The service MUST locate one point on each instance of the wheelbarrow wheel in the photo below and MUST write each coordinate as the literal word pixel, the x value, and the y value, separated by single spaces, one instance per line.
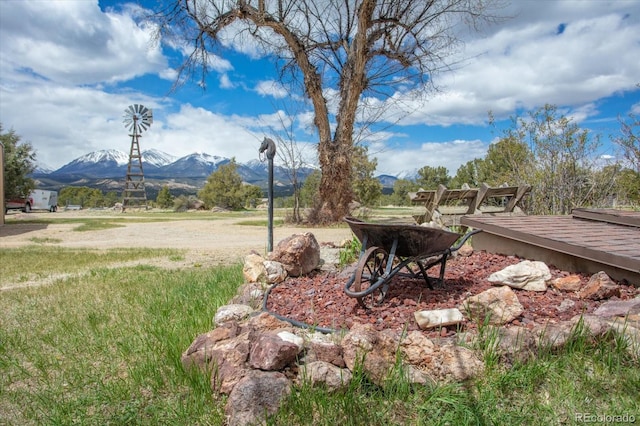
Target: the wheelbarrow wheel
pixel 369 277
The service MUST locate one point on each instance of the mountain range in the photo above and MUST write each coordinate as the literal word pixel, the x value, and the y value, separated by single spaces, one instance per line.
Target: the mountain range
pixel 107 169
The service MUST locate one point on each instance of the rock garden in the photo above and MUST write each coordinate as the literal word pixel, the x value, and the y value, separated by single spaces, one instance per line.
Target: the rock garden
pixel 291 323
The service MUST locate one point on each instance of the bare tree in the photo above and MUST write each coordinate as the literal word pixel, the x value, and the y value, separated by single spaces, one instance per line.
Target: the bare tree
pixel 357 49
pixel 290 156
pixel 565 156
pixel 629 141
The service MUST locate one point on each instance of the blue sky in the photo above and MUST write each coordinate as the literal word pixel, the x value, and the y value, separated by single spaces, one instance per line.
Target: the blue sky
pixel 69 68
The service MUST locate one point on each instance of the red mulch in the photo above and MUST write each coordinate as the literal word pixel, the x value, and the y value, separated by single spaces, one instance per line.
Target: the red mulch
pixel 320 300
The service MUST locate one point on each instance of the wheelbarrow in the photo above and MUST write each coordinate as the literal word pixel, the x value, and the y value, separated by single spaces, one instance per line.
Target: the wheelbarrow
pixel 392 249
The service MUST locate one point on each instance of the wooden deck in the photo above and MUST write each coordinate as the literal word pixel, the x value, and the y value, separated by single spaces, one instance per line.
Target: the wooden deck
pixel 589 240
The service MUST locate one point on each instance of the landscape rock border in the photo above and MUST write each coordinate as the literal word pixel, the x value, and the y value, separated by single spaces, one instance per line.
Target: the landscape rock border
pixel 251 350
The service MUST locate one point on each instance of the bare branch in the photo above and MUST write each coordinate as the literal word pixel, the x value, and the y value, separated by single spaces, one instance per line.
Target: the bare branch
pixel 357 48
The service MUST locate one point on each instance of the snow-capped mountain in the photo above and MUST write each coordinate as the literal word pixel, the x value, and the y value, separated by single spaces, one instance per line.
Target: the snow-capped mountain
pixel 104 163
pixel 408 174
pixel 198 164
pixel 105 155
pixel 280 174
pixel 107 168
pixel 43 168
pixel 110 163
pixel 256 165
pixel 157 158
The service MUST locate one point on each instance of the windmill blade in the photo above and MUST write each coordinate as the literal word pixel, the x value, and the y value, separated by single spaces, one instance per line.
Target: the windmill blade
pixel 137 118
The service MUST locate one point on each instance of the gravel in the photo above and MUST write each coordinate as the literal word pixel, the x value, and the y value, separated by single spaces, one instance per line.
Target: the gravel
pixel 320 299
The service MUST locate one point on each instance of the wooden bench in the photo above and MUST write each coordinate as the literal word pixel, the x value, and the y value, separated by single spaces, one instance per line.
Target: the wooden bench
pixel 486 199
pixel 509 196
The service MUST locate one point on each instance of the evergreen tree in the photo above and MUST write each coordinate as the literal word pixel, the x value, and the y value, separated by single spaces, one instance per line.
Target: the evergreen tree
pixel 224 188
pixel 366 188
pixel 401 189
pixel 310 188
pixel 430 177
pixel 164 200
pixel 19 163
pixel 251 195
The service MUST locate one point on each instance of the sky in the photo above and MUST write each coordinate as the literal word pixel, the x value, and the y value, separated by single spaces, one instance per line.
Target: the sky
pixel 70 68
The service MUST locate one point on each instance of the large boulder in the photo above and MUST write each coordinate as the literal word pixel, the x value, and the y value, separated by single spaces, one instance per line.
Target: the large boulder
pixel 199 353
pixel 599 287
pixel 234 312
pixel 376 351
pixel 324 350
pixel 270 352
pixel 526 275
pixel 497 306
pixel 257 269
pixel 440 362
pixel 257 395
pixel 299 253
pixel 322 373
pixel 254 269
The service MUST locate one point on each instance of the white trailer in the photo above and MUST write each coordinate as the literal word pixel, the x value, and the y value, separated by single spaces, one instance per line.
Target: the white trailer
pixel 44 200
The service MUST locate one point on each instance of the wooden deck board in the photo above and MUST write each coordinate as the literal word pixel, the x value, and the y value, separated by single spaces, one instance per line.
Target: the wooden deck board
pixel 606 237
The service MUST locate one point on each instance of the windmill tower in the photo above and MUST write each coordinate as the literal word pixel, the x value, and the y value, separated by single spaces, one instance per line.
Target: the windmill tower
pixel 137 118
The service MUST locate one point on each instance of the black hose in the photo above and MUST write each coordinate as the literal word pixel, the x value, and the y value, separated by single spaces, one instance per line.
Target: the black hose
pixel 291 321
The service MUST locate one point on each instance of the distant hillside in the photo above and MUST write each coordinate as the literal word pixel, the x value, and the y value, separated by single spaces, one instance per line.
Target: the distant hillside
pixel 106 170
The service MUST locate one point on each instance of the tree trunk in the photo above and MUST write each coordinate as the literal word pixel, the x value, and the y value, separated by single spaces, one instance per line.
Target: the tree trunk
pixel 335 184
pixel 335 158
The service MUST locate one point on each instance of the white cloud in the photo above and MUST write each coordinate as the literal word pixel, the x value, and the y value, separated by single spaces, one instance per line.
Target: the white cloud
pixel 169 74
pixel 582 113
pixel 75 42
pixel 198 130
pixel 529 64
pixel 225 82
pixel 241 41
pixel 63 123
pixel 450 154
pixel 272 88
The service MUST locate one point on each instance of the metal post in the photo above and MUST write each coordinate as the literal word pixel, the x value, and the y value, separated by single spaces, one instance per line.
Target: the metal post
pixel 269 146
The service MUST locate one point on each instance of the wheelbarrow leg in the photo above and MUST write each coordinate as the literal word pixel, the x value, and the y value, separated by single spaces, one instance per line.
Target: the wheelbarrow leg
pixel 424 274
pixel 443 263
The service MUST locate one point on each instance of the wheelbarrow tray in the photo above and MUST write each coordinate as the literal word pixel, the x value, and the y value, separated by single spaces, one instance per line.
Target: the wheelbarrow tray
pixel 412 241
pixel 389 248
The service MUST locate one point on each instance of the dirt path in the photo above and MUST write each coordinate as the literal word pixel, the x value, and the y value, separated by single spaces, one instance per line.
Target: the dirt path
pixel 206 242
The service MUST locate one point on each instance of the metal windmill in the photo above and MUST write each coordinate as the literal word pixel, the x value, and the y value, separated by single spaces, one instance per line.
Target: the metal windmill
pixel 137 118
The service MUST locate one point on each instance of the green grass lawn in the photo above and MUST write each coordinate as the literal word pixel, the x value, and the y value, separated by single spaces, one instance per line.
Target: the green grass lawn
pixel 103 348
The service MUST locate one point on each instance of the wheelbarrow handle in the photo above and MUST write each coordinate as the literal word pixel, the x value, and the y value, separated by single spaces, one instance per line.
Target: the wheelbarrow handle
pixel 464 239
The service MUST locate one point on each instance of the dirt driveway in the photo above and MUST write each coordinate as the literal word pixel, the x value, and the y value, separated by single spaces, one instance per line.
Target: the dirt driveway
pixel 206 241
